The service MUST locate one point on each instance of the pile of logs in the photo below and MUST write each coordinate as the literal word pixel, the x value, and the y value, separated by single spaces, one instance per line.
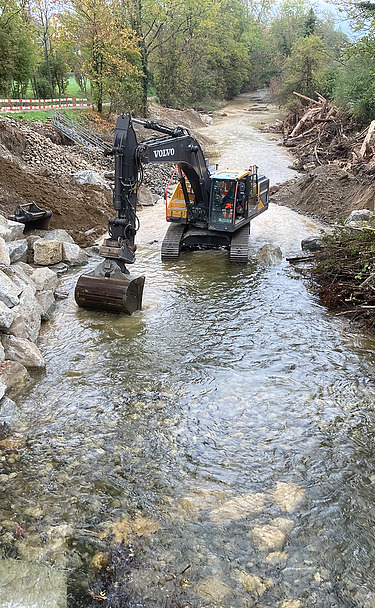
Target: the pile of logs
pixel 321 133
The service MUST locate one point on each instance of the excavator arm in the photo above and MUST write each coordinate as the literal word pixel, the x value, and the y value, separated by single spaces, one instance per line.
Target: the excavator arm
pixel 111 286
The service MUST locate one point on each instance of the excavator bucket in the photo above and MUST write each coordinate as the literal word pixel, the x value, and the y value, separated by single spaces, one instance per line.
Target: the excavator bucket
pixel 32 216
pixel 116 292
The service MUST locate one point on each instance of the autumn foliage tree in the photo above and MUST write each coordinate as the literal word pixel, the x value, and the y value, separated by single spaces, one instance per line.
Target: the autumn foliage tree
pixel 110 53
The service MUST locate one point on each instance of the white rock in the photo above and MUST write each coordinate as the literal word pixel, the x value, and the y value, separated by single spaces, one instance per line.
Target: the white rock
pixel 4 252
pixel 59 235
pixel 145 197
pixel 2 354
pixel 268 537
pixel 239 507
pixel 5 233
pixel 73 254
pixel 18 276
pixel 17 250
pixel 8 411
pixel 288 496
pixel 15 377
pixel 47 252
pixel 269 254
pixel 24 351
pixel 90 177
pixel 27 316
pixel 9 292
pixel 3 221
pixel 252 583
pixel 16 230
pixel 47 304
pixel 359 215
pixel 6 316
pixel 2 389
pixel 45 279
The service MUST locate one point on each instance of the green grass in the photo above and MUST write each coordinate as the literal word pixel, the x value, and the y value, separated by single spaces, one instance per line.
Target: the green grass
pixel 44 115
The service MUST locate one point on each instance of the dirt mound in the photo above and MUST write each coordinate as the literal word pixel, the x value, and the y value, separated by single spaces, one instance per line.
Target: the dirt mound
pixel 329 193
pixel 76 208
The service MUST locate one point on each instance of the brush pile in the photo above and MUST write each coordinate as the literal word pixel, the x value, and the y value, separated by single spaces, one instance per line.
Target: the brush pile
pixel 320 133
pixel 345 272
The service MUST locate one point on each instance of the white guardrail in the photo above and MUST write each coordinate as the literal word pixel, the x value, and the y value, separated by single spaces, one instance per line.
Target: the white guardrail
pixel 22 108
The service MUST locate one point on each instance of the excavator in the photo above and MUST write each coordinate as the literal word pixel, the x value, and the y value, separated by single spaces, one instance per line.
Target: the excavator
pixel 207 209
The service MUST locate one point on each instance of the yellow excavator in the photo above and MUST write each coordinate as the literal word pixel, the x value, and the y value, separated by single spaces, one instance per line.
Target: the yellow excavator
pixel 208 209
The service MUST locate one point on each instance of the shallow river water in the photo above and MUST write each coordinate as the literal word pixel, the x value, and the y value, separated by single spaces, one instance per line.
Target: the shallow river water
pixel 226 431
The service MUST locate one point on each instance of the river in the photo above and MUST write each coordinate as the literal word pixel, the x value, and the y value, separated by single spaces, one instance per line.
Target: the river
pixel 225 433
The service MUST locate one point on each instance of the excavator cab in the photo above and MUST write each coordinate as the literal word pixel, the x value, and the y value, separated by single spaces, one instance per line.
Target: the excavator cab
pixel 236 198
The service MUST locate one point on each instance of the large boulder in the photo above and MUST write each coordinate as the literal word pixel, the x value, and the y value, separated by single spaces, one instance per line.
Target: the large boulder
pixel 4 252
pixel 17 274
pixel 27 316
pixel 59 235
pixel 9 412
pixel 312 243
pixel 44 279
pixel 17 250
pixel 73 254
pixel 5 233
pixel 9 292
pixel 2 354
pixel 90 177
pixel 6 316
pixel 47 304
pixel 47 252
pixel 146 198
pixel 31 239
pixel 359 215
pixel 269 255
pixel 15 377
pixel 24 351
pixel 16 230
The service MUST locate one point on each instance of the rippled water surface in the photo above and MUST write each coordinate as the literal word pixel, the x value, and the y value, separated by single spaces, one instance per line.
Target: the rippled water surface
pixel 226 432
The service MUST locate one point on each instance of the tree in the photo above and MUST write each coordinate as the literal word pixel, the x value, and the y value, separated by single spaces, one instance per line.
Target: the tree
pixel 109 48
pixel 17 48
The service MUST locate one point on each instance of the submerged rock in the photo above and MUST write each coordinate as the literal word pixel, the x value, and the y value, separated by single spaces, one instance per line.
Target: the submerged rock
pixel 254 584
pixel 213 589
pixel 313 243
pixel 28 584
pixel 238 507
pixel 268 537
pixel 288 496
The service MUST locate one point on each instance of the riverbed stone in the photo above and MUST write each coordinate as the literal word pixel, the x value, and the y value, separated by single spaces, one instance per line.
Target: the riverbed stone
pixel 268 537
pixel 269 255
pixel 24 351
pixel 47 303
pixel 146 198
pixel 238 507
pixel 2 354
pixel 4 252
pixel 9 292
pixel 73 254
pixel 59 235
pixel 27 316
pixel 2 389
pixel 15 377
pixel 291 604
pixel 288 496
pixel 213 589
pixel 6 316
pixel 359 215
pixel 45 279
pixel 284 524
pixel 31 239
pixel 17 275
pixel 29 584
pixel 47 252
pixel 276 557
pixel 252 583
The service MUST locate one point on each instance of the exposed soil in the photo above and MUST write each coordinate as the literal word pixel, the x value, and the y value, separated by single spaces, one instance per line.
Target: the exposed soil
pixel 36 165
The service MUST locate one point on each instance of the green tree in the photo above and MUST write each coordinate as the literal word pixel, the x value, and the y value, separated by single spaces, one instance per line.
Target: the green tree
pixel 18 51
pixel 109 50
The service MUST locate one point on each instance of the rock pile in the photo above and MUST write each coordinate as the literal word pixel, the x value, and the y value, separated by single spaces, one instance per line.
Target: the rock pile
pixel 29 270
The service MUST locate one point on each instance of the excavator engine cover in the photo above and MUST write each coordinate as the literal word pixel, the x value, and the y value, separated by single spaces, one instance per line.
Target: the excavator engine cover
pixel 117 292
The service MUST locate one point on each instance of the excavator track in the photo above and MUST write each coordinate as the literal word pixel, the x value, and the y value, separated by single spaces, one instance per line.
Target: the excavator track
pixel 170 248
pixel 239 246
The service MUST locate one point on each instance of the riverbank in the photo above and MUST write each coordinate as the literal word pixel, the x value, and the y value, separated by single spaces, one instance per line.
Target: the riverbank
pixel 339 167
